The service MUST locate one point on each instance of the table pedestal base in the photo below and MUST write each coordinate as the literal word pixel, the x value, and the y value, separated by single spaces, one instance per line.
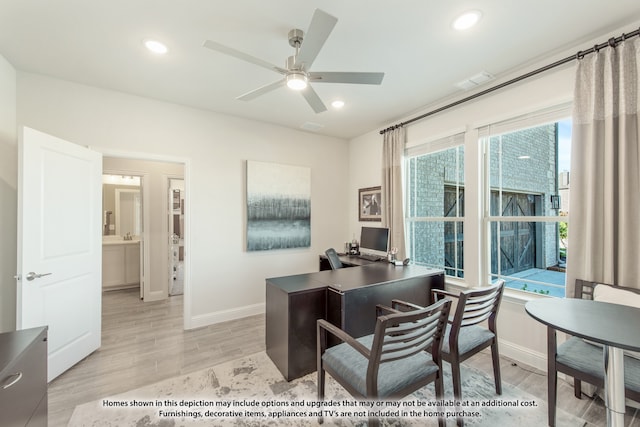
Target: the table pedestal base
pixel 614 386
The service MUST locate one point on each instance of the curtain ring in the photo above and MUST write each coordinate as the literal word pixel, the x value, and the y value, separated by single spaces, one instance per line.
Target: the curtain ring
pixel 595 48
pixel 579 55
pixel 612 42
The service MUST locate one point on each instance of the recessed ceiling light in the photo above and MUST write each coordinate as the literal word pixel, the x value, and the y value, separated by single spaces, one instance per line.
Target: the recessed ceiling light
pixel 467 20
pixel 337 104
pixel 156 46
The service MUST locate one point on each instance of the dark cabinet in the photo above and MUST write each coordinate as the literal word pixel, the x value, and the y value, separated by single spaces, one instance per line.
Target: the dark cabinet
pixel 23 379
pixel 293 305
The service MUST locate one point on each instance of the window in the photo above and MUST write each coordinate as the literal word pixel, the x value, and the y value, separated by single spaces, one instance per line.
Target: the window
pixel 435 205
pixel 516 212
pixel 526 195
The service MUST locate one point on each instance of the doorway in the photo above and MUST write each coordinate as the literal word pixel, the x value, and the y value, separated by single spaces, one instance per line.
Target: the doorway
pixel 122 237
pixel 176 236
pixel 155 243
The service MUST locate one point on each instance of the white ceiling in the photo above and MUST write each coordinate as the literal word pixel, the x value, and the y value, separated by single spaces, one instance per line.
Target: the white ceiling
pixel 99 43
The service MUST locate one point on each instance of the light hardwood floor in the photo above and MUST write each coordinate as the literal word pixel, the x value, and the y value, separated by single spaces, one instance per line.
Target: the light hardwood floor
pixel 143 343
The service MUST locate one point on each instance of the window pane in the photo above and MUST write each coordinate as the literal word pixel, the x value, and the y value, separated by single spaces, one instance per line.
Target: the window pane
pixel 529 176
pixel 524 161
pixel 427 178
pixel 521 259
pixel 435 189
pixel 437 244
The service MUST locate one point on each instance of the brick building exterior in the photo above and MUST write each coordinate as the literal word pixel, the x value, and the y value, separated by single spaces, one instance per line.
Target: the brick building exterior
pixel 524 165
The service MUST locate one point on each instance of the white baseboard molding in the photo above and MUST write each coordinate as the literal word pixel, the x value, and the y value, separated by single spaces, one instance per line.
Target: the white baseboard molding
pixel 155 295
pixel 523 355
pixel 226 315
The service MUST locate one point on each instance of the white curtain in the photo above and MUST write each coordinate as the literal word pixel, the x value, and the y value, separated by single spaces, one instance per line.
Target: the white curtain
pixel 604 228
pixel 392 194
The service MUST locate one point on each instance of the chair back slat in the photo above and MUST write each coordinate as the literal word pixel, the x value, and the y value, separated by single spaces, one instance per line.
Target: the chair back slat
pixel 477 319
pixel 404 334
pixel 476 313
pixel 477 306
pixel 398 346
pixel 411 331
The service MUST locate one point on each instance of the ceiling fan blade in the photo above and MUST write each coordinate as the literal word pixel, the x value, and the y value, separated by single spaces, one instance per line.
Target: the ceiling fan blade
pixel 261 90
pixel 314 100
pixel 346 77
pixel 241 55
pixel 321 26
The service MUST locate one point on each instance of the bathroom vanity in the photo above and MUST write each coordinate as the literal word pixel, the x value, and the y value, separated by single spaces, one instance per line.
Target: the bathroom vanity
pixel 120 263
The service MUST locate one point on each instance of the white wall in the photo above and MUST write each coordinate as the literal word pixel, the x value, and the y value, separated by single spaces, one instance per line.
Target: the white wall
pixel 365 169
pixel 8 195
pixel 521 337
pixel 226 281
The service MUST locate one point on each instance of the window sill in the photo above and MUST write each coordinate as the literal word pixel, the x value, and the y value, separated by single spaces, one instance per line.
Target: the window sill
pixel 511 295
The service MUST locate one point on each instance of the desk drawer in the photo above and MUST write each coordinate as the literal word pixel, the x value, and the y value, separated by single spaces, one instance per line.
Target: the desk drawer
pixel 23 387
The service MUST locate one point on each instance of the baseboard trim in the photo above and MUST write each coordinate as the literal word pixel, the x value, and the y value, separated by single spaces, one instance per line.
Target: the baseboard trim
pixel 523 354
pixel 226 315
pixel 155 296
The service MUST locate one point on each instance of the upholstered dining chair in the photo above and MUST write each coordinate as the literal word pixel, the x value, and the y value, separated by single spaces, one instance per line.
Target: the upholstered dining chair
pixel 464 336
pixel 582 359
pixel 334 259
pixel 390 363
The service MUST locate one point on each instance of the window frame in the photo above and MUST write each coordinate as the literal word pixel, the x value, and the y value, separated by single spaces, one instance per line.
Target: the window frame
pixel 477 233
pixel 534 119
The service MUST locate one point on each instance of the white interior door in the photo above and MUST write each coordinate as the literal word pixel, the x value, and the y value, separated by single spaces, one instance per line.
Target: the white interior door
pixel 59 246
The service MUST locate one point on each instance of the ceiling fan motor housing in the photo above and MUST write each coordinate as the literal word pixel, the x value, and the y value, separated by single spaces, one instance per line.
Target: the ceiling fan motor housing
pixel 295 37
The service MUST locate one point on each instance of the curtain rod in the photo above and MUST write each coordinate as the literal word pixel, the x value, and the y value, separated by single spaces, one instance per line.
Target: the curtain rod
pixel 613 41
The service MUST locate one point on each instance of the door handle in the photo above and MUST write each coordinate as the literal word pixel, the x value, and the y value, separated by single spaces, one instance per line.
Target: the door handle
pixel 32 275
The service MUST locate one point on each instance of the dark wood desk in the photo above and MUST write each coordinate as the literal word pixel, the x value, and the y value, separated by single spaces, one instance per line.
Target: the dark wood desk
pixel 612 325
pixel 346 297
pixel 347 261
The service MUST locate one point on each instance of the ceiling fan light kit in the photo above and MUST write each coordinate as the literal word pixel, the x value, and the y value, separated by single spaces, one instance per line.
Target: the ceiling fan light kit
pixel 296 80
pixel 297 74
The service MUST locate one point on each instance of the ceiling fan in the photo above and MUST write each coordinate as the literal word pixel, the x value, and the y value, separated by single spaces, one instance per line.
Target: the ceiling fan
pixel 297 74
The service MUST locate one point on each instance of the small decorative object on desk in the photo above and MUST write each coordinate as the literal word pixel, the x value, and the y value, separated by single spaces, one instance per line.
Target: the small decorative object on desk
pixel 399 263
pixel 391 256
pixel 355 248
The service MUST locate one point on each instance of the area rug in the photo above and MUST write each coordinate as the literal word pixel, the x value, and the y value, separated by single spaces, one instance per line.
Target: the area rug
pixel 251 392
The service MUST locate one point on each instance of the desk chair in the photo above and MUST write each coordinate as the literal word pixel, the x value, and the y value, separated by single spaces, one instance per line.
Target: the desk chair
pixel 464 337
pixel 334 259
pixel 392 362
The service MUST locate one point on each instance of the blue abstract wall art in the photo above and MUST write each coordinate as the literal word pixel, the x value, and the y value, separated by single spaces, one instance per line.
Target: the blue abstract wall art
pixel 278 206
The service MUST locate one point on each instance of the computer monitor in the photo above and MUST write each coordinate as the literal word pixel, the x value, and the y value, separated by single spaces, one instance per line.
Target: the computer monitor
pixel 374 241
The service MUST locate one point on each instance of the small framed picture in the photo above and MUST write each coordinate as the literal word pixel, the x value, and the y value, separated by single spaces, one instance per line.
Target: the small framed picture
pixel 369 205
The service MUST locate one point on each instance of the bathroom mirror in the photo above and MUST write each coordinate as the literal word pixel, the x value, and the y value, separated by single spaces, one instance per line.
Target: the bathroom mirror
pixel 121 205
